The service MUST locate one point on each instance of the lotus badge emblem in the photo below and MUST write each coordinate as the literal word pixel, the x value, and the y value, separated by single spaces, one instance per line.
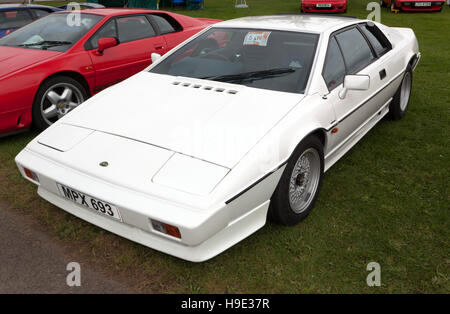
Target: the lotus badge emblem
pixel 104 164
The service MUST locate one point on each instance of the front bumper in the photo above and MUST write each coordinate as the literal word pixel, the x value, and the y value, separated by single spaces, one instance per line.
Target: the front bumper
pixel 205 234
pixel 412 8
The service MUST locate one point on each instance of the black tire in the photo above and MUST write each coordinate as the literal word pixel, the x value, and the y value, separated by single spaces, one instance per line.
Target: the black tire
pixel 398 106
pixel 280 209
pixel 41 103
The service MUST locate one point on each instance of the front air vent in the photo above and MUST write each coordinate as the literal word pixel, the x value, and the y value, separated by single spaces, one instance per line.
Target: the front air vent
pixel 205 87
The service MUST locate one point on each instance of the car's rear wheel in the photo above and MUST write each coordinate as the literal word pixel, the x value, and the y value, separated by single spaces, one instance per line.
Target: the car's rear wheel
pixel 300 183
pixel 399 105
pixel 55 98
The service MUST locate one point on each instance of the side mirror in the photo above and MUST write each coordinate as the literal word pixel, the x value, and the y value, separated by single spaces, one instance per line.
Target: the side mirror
pixel 155 57
pixel 354 82
pixel 105 43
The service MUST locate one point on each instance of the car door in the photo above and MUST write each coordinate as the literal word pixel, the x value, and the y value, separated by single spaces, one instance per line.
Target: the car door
pixel 349 53
pixel 137 40
pixel 169 28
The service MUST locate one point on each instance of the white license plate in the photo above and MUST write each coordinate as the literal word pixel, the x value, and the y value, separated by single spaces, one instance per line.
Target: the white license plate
pixel 323 5
pixel 100 207
pixel 423 4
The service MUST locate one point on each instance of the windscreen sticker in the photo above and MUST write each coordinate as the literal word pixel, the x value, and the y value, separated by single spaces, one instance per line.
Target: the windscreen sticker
pixel 256 38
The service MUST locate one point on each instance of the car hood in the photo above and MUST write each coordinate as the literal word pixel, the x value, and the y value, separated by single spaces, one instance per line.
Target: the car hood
pixel 13 59
pixel 212 121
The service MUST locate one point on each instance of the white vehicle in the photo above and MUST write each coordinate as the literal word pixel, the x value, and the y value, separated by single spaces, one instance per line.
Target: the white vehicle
pixel 234 125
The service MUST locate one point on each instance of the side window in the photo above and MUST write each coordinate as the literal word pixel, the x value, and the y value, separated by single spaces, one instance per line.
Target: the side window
pixel 376 38
pixel 133 28
pixel 109 29
pixel 356 50
pixel 334 67
pixel 40 13
pixel 166 24
pixel 15 19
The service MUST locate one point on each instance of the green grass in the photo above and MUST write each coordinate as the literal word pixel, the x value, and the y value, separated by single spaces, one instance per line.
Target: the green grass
pixel 385 201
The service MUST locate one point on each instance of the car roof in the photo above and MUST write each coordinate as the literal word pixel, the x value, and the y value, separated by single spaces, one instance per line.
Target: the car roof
pixel 118 11
pixel 21 6
pixel 290 22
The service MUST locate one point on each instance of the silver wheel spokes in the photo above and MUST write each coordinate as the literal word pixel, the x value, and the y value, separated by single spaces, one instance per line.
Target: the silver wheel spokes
pixel 58 100
pixel 304 180
pixel 405 91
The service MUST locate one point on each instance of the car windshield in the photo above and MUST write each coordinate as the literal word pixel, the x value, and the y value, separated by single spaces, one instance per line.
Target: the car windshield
pixel 267 59
pixel 56 32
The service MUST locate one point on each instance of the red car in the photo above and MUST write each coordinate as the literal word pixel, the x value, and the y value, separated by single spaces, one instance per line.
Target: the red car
pixel 50 66
pixel 414 5
pixel 324 6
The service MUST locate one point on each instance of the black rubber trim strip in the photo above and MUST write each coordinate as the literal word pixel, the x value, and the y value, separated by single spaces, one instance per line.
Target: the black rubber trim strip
pixel 255 183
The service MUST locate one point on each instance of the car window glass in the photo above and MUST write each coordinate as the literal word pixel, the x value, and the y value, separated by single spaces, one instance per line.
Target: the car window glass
pixel 51 32
pixel 134 28
pixel 164 26
pixel 107 30
pixel 40 13
pixel 266 59
pixel 356 51
pixel 14 19
pixel 378 45
pixel 334 68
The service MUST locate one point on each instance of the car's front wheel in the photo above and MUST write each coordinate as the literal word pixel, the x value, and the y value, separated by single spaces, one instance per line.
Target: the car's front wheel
pixel 300 183
pixel 55 98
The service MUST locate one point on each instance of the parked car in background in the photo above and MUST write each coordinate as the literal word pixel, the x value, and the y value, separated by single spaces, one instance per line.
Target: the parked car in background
pixel 49 67
pixel 413 5
pixel 194 154
pixel 85 6
pixel 14 16
pixel 324 6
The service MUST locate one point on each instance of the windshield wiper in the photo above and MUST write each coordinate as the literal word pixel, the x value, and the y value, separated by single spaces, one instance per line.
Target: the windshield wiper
pixel 48 43
pixel 251 76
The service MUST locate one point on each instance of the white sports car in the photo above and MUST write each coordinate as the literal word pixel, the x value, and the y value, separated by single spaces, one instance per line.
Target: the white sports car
pixel 234 125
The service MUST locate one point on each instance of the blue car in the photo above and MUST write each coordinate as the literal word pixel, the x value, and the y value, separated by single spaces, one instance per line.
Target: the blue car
pixel 14 16
pixel 85 5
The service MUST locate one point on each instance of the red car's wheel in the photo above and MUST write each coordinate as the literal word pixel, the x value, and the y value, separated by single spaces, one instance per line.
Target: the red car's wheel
pixel 55 98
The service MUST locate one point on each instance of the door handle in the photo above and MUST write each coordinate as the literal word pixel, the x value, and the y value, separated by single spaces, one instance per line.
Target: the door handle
pixel 382 74
pixel 159 47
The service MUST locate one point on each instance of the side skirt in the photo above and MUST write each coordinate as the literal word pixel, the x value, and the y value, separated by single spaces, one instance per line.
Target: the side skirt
pixel 332 157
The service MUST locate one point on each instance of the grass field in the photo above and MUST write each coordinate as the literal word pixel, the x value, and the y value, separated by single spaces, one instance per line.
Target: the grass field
pixel 386 201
